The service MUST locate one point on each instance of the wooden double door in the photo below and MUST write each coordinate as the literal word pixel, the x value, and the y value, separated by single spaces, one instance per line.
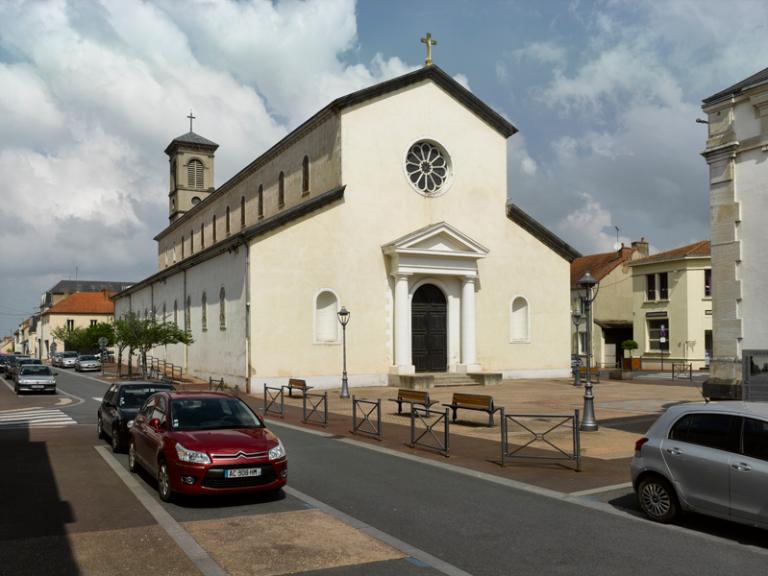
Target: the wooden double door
pixel 429 329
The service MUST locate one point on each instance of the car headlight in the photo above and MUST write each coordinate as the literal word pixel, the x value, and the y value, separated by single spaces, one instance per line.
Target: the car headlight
pixel 129 424
pixel 277 452
pixel 191 456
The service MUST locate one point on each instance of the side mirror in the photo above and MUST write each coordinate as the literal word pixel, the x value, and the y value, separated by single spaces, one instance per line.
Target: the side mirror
pixel 155 424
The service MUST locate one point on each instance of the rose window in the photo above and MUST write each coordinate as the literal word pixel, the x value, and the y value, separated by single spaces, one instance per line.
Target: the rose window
pixel 427 167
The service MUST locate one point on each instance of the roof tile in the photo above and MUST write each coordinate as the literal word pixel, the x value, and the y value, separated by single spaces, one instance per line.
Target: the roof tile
pixel 85 303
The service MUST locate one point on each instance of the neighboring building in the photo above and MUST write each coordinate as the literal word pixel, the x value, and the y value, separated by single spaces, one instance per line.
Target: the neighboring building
pixel 612 307
pixel 391 201
pixel 6 346
pixel 79 310
pixel 66 288
pixel 672 306
pixel 28 335
pixel 737 155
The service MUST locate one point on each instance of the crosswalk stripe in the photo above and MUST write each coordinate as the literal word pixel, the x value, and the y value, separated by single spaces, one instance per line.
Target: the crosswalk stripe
pixel 34 418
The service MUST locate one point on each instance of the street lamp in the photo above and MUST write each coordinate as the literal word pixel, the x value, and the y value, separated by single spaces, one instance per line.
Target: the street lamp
pixel 589 423
pixel 343 315
pixel 576 317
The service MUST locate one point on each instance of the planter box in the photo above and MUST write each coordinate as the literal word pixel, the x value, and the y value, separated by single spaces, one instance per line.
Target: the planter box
pixel 631 364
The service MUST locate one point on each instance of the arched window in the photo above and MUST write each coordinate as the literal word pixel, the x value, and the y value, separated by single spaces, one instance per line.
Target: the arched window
pixel 165 319
pixel 176 312
pixel 213 228
pixel 226 222
pixel 188 315
pixel 519 320
pixel 195 174
pixel 222 309
pixel 261 201
pixel 242 211
pixel 202 235
pixel 191 242
pixel 281 190
pixel 204 313
pixel 182 246
pixel 305 175
pixel 326 324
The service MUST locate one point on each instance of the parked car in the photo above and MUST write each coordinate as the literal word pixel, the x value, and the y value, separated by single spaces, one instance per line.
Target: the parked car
pixel 35 378
pixel 86 362
pixel 18 362
pixel 205 443
pixel 5 360
pixel 710 458
pixel 119 407
pixel 68 359
pixel 56 358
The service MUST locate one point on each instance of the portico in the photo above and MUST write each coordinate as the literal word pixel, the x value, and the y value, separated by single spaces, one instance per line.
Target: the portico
pixel 433 261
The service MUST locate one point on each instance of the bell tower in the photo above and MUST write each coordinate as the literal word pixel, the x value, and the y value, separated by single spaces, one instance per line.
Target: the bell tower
pixel 191 171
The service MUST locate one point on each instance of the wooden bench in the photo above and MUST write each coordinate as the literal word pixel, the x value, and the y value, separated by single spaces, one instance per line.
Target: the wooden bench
pixel 298 385
pixel 420 397
pixel 479 402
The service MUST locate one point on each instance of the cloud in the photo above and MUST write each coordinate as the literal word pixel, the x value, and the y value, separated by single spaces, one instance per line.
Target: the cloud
pixel 543 53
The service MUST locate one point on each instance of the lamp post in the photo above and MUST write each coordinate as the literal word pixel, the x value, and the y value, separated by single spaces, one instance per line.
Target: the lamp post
pixel 576 317
pixel 589 423
pixel 343 315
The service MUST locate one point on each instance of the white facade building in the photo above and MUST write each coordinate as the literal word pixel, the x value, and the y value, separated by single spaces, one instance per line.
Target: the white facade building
pixel 737 155
pixel 391 201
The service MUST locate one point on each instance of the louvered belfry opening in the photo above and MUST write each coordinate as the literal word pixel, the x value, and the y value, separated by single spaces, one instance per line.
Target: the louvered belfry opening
pixel 195 174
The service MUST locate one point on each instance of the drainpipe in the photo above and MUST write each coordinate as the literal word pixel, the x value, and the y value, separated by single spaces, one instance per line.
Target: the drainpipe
pixel 187 317
pixel 247 315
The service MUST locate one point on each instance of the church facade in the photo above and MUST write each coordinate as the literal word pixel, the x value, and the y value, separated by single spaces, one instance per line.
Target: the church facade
pixel 391 202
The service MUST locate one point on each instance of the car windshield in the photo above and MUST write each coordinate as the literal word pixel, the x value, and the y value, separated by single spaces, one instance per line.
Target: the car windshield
pixel 28 361
pixel 36 369
pixel 69 354
pixel 134 396
pixel 83 358
pixel 212 413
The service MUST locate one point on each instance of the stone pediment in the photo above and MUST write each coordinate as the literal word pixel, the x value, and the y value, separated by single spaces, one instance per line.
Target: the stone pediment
pixel 437 249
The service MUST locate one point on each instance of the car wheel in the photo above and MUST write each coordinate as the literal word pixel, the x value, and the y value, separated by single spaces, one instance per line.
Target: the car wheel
pixel 99 429
pixel 117 446
pixel 132 464
pixel 164 483
pixel 657 499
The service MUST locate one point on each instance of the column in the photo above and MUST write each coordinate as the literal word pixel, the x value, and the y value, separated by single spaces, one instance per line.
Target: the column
pixel 468 352
pixel 402 334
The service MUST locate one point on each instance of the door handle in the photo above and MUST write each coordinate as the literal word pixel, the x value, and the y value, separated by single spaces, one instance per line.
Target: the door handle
pixel 674 451
pixel 741 467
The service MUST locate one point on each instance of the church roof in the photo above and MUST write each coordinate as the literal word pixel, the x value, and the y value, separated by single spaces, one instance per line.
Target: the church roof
pixel 739 87
pixel 539 231
pixel 191 139
pixel 72 286
pixel 701 249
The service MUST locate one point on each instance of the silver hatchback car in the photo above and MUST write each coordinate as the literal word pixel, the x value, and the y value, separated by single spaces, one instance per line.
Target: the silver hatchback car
pixel 710 458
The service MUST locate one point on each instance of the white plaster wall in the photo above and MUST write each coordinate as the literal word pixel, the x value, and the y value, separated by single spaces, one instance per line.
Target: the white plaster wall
pixel 340 249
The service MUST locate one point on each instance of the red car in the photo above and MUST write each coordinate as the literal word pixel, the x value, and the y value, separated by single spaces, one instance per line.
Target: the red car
pixel 205 443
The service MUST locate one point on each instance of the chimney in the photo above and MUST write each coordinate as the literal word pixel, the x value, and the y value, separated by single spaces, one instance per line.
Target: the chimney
pixel 641 246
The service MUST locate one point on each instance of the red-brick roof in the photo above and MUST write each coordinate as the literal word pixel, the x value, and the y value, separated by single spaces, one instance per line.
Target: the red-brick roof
pixel 699 249
pixel 599 265
pixel 85 303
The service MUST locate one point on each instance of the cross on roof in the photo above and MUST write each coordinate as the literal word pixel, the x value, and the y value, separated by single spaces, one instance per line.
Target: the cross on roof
pixel 429 42
pixel 191 117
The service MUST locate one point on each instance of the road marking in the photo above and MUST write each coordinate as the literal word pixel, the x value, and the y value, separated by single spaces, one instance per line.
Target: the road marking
pixel 8 384
pixel 602 489
pixel 404 547
pixel 270 422
pixel 34 418
pixel 183 539
pixel 64 401
pixel 97 398
pixel 77 399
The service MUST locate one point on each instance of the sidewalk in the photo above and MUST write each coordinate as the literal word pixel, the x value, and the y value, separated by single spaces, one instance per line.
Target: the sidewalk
pixel 624 410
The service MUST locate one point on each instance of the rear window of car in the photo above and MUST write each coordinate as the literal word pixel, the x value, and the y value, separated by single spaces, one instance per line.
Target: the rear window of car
pixel 82 358
pixel 720 431
pixel 134 396
pixel 69 354
pixel 36 369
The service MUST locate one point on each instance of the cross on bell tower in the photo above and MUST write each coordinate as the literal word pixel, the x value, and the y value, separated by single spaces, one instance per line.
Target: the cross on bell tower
pixel 191 117
pixel 429 42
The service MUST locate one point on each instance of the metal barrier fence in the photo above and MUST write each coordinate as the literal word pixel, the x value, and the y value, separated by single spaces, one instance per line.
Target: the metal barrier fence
pixel 561 421
pixel 364 425
pixel 441 446
pixel 216 385
pixel 682 371
pixel 316 402
pixel 272 396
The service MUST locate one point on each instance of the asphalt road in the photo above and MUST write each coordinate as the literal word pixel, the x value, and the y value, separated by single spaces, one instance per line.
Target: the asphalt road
pixel 479 526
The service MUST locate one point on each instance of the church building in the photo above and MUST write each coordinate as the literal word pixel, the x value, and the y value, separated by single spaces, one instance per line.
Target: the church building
pixel 391 202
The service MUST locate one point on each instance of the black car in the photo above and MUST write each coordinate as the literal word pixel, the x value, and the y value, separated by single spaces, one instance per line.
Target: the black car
pixel 119 407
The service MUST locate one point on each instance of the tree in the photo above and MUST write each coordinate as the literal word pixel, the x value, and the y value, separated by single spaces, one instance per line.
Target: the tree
pixel 73 338
pixel 629 345
pixel 127 329
pixel 142 335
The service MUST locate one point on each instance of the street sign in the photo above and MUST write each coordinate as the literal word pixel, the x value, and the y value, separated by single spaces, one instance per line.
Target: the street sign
pixel 103 341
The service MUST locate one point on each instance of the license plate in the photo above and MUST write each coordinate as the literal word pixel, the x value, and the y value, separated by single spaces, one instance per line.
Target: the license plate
pixel 37 386
pixel 242 472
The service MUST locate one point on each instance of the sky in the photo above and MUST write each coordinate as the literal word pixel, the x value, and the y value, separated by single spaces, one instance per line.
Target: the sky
pixel 605 95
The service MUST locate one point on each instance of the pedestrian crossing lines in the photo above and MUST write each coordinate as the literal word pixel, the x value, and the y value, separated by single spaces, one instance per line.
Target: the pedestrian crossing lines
pixel 34 418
